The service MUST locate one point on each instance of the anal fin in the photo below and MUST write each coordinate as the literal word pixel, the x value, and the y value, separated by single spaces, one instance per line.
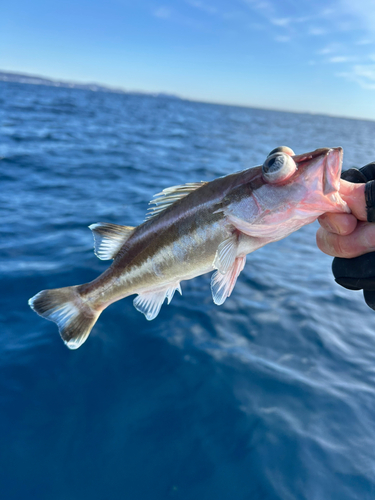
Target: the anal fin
pixel 222 284
pixel 149 303
pixel 109 238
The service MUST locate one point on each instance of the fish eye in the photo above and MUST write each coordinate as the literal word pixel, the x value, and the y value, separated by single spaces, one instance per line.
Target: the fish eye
pixel 282 149
pixel 278 167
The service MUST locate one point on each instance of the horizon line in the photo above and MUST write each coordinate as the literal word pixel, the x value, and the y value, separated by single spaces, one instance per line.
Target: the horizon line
pixel 106 88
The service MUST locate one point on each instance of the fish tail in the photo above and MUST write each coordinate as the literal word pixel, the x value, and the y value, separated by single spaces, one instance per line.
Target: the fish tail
pixel 74 317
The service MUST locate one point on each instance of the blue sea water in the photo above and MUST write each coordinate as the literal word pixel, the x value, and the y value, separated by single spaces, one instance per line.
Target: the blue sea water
pixel 268 397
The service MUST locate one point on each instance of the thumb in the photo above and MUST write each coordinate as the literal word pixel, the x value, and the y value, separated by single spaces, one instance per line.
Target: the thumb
pixel 354 195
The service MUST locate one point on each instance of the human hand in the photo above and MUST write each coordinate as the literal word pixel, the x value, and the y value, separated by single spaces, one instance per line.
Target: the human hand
pixel 350 238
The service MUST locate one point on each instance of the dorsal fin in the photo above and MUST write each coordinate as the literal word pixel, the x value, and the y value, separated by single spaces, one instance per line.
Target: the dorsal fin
pixel 109 238
pixel 169 196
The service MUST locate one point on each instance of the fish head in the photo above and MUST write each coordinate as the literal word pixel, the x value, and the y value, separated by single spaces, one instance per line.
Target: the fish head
pixel 309 181
pixel 288 192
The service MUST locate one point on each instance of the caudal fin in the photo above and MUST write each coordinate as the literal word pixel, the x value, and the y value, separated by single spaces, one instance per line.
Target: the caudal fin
pixel 66 308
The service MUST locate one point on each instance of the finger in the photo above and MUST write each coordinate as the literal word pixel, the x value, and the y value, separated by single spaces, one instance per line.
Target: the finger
pixel 338 223
pixel 359 242
pixel 354 195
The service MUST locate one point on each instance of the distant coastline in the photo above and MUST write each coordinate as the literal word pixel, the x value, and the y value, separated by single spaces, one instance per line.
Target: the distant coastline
pixel 24 78
pixel 8 76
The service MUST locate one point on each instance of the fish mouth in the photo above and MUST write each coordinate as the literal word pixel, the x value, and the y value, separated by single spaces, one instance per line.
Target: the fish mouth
pixel 330 160
pixel 324 165
pixel 312 155
pixel 332 170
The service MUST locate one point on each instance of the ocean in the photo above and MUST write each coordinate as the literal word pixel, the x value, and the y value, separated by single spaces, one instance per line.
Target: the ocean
pixel 270 396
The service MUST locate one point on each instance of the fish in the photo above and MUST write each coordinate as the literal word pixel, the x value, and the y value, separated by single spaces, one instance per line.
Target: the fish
pixel 193 229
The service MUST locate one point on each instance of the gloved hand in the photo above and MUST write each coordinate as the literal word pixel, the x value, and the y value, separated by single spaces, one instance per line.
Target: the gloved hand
pixel 359 273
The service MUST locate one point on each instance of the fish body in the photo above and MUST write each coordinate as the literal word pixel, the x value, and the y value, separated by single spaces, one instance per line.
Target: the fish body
pixel 194 229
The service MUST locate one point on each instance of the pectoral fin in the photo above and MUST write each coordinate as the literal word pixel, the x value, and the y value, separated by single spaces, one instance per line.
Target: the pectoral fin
pixel 222 284
pixel 226 254
pixel 243 226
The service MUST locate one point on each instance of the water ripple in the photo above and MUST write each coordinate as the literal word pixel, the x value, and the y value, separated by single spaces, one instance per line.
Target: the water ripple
pixel 270 396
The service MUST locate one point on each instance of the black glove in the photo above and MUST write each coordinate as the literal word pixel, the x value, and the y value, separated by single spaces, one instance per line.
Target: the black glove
pixel 359 273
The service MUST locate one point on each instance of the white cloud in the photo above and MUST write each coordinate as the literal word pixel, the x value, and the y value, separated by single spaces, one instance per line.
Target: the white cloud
pixel 257 26
pixel 365 71
pixel 328 12
pixel 364 41
pixel 282 39
pixel 281 21
pixel 316 17
pixel 329 49
pixel 162 13
pixel 339 59
pixel 363 10
pixel 234 15
pixel 202 6
pixel 302 19
pixel 363 74
pixel 262 6
pixel 316 31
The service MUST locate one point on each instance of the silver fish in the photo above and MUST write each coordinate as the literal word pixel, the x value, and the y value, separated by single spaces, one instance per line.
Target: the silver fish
pixel 196 228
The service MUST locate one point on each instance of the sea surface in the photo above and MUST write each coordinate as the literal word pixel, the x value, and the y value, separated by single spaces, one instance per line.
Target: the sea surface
pixel 268 397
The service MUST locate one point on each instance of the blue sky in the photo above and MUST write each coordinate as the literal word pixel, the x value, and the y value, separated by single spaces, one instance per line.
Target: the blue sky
pixel 316 56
